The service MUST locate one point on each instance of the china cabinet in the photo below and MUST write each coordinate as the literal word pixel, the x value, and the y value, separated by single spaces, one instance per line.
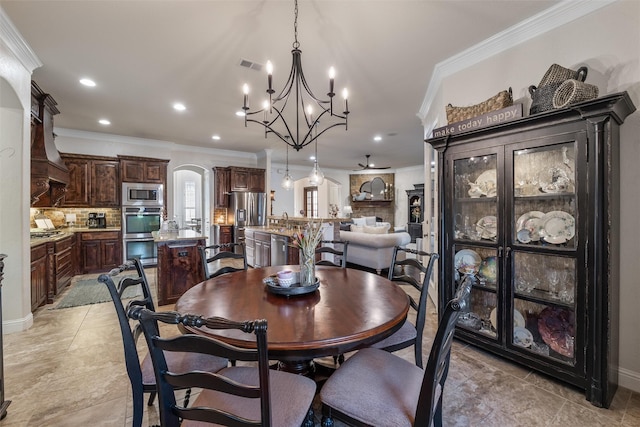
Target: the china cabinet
pixel 531 209
pixel 415 211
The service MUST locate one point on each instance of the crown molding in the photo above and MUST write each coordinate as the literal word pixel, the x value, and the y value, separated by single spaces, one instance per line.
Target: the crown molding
pixel 144 142
pixel 10 35
pixel 547 20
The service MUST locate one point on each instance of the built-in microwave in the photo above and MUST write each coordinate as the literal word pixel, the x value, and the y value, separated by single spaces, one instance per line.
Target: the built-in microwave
pixel 141 194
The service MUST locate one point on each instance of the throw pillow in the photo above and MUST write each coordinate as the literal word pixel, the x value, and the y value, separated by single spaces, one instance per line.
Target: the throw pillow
pixel 375 230
pixel 357 228
pixel 345 226
pixel 359 221
pixel 370 220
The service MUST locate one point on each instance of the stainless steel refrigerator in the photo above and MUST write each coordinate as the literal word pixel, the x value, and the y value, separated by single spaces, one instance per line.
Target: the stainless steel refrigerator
pixel 246 209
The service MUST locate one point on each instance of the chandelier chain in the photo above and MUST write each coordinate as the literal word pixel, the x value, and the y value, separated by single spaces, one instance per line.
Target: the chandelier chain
pixel 296 44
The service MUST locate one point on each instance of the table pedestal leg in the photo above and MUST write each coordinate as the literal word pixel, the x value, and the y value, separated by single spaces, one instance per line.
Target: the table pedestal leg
pixel 300 367
pixel 314 370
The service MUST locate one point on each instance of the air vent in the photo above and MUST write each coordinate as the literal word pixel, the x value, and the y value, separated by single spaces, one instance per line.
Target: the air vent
pixel 250 64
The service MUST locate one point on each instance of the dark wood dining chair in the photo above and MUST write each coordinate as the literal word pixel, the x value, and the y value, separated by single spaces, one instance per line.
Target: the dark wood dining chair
pixel 141 374
pixel 334 250
pixel 224 258
pixel 407 270
pixel 234 396
pixel 378 388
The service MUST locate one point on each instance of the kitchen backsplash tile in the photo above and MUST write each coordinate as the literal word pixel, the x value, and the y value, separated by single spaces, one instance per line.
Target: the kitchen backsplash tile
pixel 58 218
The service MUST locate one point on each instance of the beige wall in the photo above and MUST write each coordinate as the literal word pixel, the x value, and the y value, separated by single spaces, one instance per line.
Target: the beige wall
pixel 608 42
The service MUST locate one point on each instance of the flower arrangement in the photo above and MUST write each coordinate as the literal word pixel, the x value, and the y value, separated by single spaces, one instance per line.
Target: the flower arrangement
pixel 307 240
pixel 333 210
pixel 309 237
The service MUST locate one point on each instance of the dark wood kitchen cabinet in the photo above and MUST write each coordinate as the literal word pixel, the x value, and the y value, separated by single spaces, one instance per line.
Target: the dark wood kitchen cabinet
pixel 94 181
pixel 39 275
pixel 223 186
pixel 179 268
pixel 226 234
pixel 293 254
pixel 105 183
pixel 246 179
pixel 99 251
pixel 63 264
pixel 144 170
pixel 530 209
pixel 235 178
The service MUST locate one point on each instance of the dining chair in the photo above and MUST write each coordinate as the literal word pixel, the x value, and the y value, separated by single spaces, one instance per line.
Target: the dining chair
pixel 404 270
pixel 141 374
pixel 333 250
pixel 224 258
pixel 375 387
pixel 247 395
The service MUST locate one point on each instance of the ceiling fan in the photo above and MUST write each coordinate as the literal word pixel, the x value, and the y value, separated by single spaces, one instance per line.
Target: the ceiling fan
pixel 370 166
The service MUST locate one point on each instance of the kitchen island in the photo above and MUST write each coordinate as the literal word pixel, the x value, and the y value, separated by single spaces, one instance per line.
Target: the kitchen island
pixel 178 263
pixel 273 244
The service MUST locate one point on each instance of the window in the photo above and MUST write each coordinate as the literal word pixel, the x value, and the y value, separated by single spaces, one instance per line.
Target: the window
pixel 189 200
pixel 311 202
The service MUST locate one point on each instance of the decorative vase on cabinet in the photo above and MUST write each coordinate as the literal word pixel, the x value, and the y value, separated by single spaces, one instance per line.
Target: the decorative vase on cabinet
pixel 531 209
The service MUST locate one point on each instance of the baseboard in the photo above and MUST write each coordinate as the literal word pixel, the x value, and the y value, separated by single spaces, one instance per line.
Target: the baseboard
pixel 629 379
pixel 17 325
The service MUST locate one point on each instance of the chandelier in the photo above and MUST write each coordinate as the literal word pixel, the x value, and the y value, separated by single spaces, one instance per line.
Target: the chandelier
pixel 274 109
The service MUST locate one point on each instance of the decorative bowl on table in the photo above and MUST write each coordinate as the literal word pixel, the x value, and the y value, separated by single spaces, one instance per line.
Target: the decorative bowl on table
pixel 285 278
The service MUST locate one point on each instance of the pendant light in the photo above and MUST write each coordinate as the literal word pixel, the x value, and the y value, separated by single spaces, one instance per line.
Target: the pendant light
pixel 316 177
pixel 287 181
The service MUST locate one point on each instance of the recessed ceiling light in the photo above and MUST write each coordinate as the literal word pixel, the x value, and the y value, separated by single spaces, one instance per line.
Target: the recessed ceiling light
pixel 104 122
pixel 240 113
pixel 87 82
pixel 377 138
pixel 216 137
pixel 178 106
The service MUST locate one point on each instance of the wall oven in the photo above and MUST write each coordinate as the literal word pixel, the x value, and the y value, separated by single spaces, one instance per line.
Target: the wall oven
pixel 142 211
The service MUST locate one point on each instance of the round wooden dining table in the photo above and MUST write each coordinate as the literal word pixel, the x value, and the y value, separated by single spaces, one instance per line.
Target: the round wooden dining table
pixel 350 309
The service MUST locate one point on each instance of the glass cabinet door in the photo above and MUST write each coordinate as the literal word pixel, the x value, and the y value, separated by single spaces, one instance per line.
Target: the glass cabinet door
pixel 475 236
pixel 543 242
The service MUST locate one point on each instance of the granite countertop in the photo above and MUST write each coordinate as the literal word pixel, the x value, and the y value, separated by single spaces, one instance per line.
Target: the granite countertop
pixel 177 235
pixel 280 231
pixel 66 232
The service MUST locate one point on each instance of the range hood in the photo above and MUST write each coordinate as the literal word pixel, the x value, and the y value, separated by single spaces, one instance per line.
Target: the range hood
pixel 49 174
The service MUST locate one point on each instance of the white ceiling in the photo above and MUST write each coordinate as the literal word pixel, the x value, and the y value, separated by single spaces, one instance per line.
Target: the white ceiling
pixel 146 55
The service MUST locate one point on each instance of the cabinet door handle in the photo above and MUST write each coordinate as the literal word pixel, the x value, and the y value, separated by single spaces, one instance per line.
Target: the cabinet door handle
pixel 507 252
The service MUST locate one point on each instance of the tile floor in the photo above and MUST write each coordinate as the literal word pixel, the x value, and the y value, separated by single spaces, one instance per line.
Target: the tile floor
pixel 68 370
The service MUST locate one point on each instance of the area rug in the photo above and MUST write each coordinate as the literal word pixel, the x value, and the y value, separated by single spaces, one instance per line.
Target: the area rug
pixel 85 292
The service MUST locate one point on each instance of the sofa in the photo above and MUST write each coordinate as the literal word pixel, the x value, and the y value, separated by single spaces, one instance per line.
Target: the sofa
pixel 371 245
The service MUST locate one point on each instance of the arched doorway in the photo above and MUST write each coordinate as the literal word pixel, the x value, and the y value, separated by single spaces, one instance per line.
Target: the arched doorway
pixel 191 198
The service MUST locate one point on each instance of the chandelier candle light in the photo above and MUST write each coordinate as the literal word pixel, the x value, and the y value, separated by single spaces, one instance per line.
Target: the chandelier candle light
pixel 273 109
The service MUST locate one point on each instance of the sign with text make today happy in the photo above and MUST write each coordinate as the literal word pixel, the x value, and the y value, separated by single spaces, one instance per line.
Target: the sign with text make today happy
pixel 488 119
